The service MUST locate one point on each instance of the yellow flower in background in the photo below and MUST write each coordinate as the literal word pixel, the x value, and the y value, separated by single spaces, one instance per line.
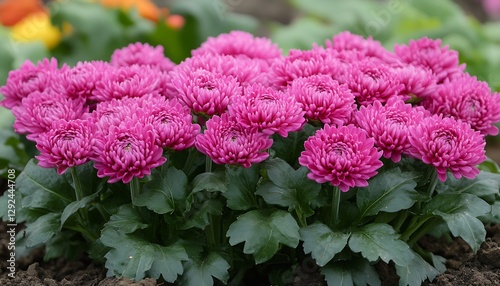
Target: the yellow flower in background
pixel 37 26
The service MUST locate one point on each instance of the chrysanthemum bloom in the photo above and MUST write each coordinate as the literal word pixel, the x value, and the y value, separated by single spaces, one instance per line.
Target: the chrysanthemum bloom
pixel 39 110
pixel 346 41
pixel 429 53
pixel 27 79
pixel 67 144
pixel 142 55
pixel 371 80
pixel 172 123
pixel 114 112
pixel 268 110
pixel 241 44
pixel 389 125
pixel 204 92
pixel 342 156
pixel 303 64
pixel 418 81
pixel 127 151
pixel 469 100
pixel 448 145
pixel 131 81
pixel 80 81
pixel 226 141
pixel 323 99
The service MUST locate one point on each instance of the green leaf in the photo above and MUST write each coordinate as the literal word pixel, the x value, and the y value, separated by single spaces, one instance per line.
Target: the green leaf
pixel 43 188
pixel 289 148
pixel 87 175
pixel 460 212
pixel 489 166
pixel 133 257
pixel 200 270
pixel 201 217
pixel 127 220
pixel 484 184
pixel 73 207
pixel 390 191
pixel 288 187
pixel 379 240
pixel 212 182
pixel 322 242
pixel 241 187
pixel 416 272
pixel 263 231
pixel 43 229
pixel 66 244
pixel 165 193
pixel 356 271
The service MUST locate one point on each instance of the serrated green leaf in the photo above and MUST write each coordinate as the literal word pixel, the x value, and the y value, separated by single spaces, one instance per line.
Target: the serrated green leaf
pixel 263 231
pixel 200 270
pixel 379 240
pixel 416 272
pixel 165 193
pixel 322 242
pixel 484 184
pixel 460 212
pixel 201 217
pixel 73 207
pixel 43 188
pixel 212 182
pixel 489 166
pixel 43 229
pixel 127 220
pixel 356 271
pixel 242 184
pixel 390 191
pixel 65 244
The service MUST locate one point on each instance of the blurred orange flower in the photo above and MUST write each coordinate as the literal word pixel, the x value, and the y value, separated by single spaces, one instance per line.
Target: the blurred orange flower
pixel 13 11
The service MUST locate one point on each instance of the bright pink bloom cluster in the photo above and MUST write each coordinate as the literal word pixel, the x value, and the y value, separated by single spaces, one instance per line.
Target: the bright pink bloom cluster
pixel 142 55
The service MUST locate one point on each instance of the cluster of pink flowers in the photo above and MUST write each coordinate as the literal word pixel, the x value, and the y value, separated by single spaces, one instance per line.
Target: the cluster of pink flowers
pixel 237 91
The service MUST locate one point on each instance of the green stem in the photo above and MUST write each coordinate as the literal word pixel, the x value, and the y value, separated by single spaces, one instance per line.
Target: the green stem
pixel 334 211
pixel 422 231
pixel 134 189
pixel 401 219
pixel 433 183
pixel 415 224
pixel 189 161
pixel 82 215
pixel 208 164
pixel 78 184
pixel 300 217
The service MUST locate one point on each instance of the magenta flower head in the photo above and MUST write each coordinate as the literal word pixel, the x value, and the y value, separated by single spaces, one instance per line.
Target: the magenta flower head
pixel 127 151
pixel 39 110
pixel 67 144
pixel 172 123
pixel 342 156
pixel 371 80
pixel 142 55
pixel 429 53
pixel 303 64
pixel 268 110
pixel 389 125
pixel 80 81
pixel 226 141
pixel 27 79
pixel 448 145
pixel 418 82
pixel 469 100
pixel 206 93
pixel 323 99
pixel 240 44
pixel 131 81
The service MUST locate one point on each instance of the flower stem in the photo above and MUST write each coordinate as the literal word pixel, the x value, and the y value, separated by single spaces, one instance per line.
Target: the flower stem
pixel 300 217
pixel 134 189
pixel 82 215
pixel 208 164
pixel 334 211
pixel 77 183
pixel 188 166
pixel 414 226
pixel 433 183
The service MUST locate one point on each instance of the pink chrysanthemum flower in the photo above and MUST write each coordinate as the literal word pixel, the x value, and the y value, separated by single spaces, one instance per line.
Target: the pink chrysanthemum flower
pixel 323 99
pixel 342 156
pixel 206 93
pixel 429 53
pixel 268 110
pixel 40 109
pixel 418 82
pixel 469 100
pixel 448 145
pixel 172 123
pixel 389 125
pixel 346 41
pixel 80 81
pixel 27 79
pixel 127 151
pixel 303 64
pixel 131 81
pixel 142 55
pixel 226 141
pixel 241 44
pixel 371 80
pixel 114 112
pixel 67 144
